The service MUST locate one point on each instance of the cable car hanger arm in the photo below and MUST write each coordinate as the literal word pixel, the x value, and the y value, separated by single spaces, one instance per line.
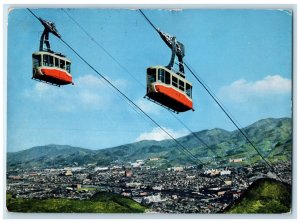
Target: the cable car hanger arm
pixel 49 28
pixel 176 46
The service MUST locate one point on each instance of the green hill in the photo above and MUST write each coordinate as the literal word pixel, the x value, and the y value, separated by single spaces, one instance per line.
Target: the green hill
pixel 263 196
pixel 273 137
pixel 102 202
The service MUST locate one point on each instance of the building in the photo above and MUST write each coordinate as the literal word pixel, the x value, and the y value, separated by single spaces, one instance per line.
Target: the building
pixel 101 168
pixel 126 194
pixel 238 160
pixel 128 173
pixel 225 172
pixel 228 182
pixel 221 193
pixel 133 184
pixel 136 165
pixel 69 173
pixel 160 187
pixel 212 172
pixel 178 168
pixel 153 198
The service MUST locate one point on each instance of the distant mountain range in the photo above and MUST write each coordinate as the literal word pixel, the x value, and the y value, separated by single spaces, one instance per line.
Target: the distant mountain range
pixel 273 138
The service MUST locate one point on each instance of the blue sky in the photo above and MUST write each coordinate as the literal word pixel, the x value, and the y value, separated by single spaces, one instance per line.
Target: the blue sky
pixel 244 56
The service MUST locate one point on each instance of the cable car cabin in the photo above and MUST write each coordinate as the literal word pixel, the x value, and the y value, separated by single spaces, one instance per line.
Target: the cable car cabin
pixel 169 89
pixel 52 68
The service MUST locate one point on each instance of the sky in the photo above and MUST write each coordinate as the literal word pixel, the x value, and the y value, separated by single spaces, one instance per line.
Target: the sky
pixel 244 56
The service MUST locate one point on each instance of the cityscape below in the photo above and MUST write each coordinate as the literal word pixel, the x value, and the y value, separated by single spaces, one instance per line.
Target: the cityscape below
pixel 182 189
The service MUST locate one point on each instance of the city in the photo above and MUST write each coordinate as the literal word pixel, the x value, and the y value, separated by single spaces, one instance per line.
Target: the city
pixel 181 189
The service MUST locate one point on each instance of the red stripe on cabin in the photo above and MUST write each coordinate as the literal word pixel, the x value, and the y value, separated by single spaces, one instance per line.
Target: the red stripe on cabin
pixel 174 94
pixel 57 74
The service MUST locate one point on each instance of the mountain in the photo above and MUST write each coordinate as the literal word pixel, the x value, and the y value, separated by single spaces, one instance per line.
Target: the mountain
pixel 263 196
pixel 49 155
pixel 272 137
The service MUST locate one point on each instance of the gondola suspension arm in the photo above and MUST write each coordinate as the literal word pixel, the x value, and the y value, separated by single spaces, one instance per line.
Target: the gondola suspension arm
pixel 49 28
pixel 176 46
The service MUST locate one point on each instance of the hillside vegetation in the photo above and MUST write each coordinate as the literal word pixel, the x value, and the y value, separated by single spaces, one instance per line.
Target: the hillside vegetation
pixel 101 202
pixel 263 196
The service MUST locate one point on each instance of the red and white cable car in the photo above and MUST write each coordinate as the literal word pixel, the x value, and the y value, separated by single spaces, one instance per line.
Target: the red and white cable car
pixel 51 68
pixel 48 66
pixel 169 89
pixel 166 87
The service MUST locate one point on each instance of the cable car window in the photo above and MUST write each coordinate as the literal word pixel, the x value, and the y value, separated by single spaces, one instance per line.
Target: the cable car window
pixel 188 90
pixel 51 64
pixel 161 75
pixel 56 62
pixel 167 77
pixel 45 60
pixel 36 60
pixel 68 66
pixel 181 85
pixel 62 64
pixel 151 75
pixel 175 81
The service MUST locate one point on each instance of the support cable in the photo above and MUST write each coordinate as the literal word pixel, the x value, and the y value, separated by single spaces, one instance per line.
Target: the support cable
pixel 231 119
pixel 125 97
pixel 143 86
pixel 128 99
pixel 99 45
pixel 222 108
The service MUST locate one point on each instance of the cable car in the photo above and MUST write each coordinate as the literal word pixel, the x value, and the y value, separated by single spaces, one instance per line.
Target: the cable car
pixel 167 87
pixel 48 66
pixel 52 68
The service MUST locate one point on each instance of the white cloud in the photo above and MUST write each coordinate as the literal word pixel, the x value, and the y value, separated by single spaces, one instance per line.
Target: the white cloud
pixel 242 90
pixel 158 134
pixel 89 92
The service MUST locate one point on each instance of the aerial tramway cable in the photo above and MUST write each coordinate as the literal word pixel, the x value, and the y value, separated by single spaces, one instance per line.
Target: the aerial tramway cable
pixel 221 106
pixel 181 147
pixel 141 85
pixel 126 98
pixel 112 57
pixel 231 119
pixel 99 45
